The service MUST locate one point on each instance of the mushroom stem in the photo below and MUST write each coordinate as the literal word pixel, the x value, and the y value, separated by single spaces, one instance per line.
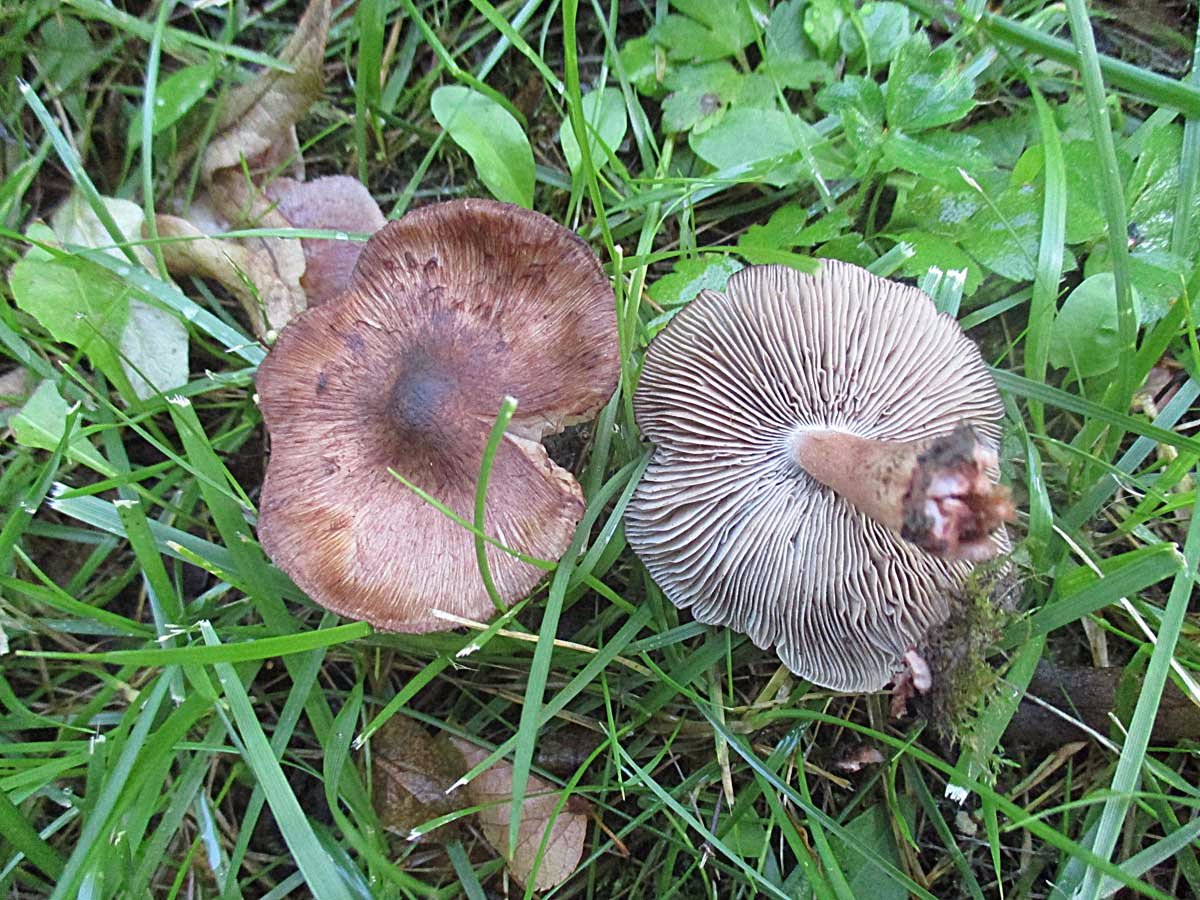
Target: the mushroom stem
pixel 936 494
pixel 872 475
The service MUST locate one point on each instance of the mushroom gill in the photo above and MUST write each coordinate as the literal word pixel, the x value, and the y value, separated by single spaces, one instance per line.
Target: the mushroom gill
pixel 849 374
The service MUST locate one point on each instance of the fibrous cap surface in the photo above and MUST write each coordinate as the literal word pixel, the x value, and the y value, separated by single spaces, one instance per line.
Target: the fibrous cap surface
pixel 449 310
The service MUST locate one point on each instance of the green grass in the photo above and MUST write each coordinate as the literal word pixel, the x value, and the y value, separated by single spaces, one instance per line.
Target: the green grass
pixel 177 719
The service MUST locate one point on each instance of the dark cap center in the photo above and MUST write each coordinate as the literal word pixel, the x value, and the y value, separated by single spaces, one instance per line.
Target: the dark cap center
pixel 422 397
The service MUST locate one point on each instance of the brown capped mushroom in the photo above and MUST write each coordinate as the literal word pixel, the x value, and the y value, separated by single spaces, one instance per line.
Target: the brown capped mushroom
pixel 806 425
pixel 335 202
pixel 275 278
pixel 449 310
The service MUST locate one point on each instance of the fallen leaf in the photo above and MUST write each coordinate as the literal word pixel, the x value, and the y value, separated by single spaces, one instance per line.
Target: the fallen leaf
pixel 153 344
pixel 255 135
pixel 154 350
pixel 412 772
pixel 75 222
pixel 274 278
pixel 203 214
pixel 263 273
pixel 258 118
pixel 492 792
pixel 338 203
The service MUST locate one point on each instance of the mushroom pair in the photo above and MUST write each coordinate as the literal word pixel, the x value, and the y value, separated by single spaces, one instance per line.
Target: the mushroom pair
pixel 825 467
pixel 448 311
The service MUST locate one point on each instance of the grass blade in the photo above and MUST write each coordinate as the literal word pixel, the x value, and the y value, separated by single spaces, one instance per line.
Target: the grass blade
pixel 508 407
pixel 1050 254
pixel 1113 196
pixel 25 839
pixel 1133 754
pixel 319 870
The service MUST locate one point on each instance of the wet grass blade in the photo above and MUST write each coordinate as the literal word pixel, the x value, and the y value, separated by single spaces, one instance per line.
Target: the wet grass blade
pixel 320 873
pixel 1133 753
pixel 1113 197
pixel 1048 275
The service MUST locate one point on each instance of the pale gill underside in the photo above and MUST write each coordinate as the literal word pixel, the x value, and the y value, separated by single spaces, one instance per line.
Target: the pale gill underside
pixel 731 528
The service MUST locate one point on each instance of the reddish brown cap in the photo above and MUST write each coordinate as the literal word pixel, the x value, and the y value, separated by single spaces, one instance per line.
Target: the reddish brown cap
pixel 337 203
pixel 727 519
pixel 450 309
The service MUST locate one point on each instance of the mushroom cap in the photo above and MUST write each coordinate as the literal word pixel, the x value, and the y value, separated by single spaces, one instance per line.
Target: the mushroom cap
pixel 731 527
pixel 449 310
pixel 335 202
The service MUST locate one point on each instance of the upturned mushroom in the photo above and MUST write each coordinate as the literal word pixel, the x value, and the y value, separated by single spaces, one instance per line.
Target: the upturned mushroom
pixel 825 467
pixel 449 310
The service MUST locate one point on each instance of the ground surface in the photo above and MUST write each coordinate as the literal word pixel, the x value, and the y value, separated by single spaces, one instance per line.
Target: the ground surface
pixel 176 719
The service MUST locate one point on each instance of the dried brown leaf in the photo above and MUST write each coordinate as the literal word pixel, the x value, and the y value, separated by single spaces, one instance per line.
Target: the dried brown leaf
pixel 492 792
pixel 256 127
pixel 263 273
pixel 412 772
pixel 275 278
pixel 258 118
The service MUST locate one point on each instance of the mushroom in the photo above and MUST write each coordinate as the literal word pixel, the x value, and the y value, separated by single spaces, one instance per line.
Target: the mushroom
pixel 449 310
pixel 809 428
pixel 275 278
pixel 335 202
